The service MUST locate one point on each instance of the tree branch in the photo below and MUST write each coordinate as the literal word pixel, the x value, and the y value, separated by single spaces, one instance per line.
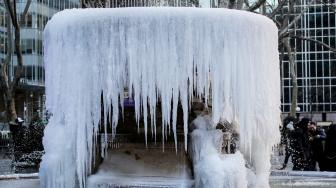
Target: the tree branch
pixel 11 12
pixel 297 18
pixel 25 12
pixel 247 3
pixel 315 41
pixel 4 81
pixel 256 5
pixel 17 32
pixel 277 9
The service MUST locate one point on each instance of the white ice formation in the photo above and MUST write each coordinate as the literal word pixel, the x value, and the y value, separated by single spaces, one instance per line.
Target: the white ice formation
pixel 211 168
pixel 165 54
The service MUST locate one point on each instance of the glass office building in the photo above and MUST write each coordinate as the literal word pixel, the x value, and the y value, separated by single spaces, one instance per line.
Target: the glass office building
pixel 30 97
pixel 316 64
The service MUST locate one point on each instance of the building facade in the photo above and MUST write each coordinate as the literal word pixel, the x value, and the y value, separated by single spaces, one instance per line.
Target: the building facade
pixel 30 96
pixel 315 63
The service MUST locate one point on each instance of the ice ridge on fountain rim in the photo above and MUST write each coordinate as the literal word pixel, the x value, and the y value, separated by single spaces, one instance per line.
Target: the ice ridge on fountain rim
pixel 164 54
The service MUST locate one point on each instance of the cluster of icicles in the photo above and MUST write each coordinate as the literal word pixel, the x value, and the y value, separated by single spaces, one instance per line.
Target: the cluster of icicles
pixel 159 54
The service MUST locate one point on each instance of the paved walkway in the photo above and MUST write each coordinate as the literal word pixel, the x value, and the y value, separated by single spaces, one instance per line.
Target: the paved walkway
pixel 279 179
pixel 22 183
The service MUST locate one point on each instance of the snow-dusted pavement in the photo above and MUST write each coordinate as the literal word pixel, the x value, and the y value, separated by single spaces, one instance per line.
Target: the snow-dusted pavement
pixel 21 183
pixel 5 166
pixel 278 180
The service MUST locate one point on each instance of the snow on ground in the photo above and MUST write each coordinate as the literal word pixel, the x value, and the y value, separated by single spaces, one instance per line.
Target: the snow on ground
pixel 276 182
pixel 301 182
pixel 278 158
pixel 134 165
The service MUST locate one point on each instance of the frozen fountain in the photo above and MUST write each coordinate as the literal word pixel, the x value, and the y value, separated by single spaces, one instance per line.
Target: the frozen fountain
pixel 160 54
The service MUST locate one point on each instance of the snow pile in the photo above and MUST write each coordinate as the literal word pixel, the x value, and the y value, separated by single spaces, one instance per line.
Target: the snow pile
pixel 211 168
pixel 166 54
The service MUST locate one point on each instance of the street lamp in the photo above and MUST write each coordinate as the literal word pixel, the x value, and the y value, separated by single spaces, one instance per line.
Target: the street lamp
pixel 298 109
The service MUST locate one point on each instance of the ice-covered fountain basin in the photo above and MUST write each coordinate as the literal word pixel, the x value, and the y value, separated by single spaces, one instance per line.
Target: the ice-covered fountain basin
pixel 163 54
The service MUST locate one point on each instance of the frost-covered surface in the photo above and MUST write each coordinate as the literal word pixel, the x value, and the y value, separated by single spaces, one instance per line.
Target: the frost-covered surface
pixel 163 54
pixel 211 168
pixel 277 182
pixel 22 183
pixel 302 182
pixel 315 174
pixel 134 165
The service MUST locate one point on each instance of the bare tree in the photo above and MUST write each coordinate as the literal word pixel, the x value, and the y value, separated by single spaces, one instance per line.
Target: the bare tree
pixel 7 84
pixel 287 22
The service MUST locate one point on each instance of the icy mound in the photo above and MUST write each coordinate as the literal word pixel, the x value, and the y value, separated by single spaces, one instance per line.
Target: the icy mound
pixel 161 54
pixel 211 168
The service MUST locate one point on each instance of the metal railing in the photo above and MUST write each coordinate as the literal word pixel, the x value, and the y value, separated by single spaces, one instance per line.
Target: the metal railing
pixel 114 141
pixel 5 144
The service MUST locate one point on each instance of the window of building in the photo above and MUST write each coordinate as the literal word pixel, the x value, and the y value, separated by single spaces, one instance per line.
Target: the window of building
pixel 299 69
pixel 29 20
pixel 332 20
pixel 312 69
pixel 29 72
pixel 333 107
pixel 300 94
pixel 333 94
pixel 333 81
pixel 39 47
pixel 285 69
pixel 325 20
pixel 332 32
pixel 2 20
pixel 312 47
pixel 27 46
pixel 327 82
pixel 319 69
pixel 286 95
pixel 286 82
pixel 326 68
pixel 319 82
pixel 333 68
pixel 300 82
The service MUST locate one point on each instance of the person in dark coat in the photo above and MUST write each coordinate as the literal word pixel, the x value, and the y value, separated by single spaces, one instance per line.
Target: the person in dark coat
pixel 19 135
pixel 316 139
pixel 286 138
pixel 330 149
pixel 301 152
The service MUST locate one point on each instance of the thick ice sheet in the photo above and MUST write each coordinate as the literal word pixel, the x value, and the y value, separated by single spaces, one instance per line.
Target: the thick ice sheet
pixel 163 54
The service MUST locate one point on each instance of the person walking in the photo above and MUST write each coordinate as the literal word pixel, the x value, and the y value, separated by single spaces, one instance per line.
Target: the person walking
pixel 301 152
pixel 286 138
pixel 316 138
